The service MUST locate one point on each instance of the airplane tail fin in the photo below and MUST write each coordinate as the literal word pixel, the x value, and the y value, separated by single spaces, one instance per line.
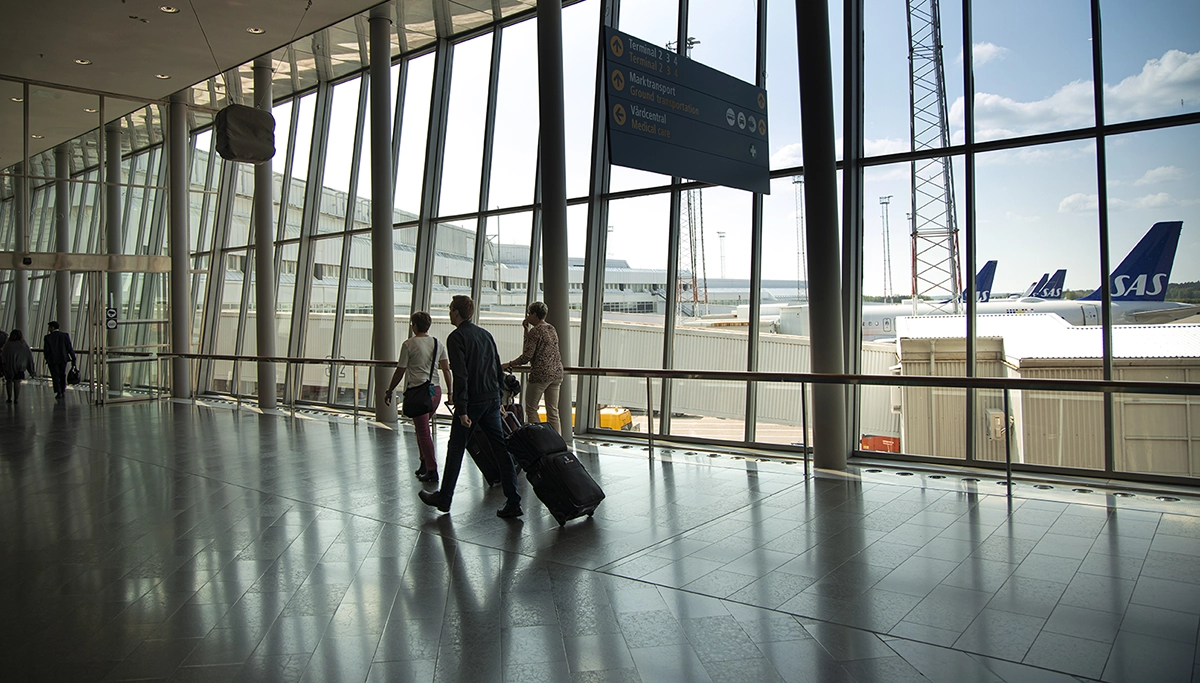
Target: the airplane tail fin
pixel 1144 273
pixel 983 282
pixel 1053 288
pixel 1037 286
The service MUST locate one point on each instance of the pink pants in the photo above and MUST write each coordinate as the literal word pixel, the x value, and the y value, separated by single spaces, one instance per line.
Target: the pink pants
pixel 424 436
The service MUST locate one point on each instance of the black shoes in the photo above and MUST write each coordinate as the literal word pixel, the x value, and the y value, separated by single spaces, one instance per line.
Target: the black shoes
pixel 510 510
pixel 437 500
pixel 420 471
pixel 428 477
pixel 441 501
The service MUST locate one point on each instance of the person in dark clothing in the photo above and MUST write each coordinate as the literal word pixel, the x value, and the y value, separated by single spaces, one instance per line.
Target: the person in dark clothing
pixel 475 363
pixel 3 338
pixel 56 346
pixel 15 360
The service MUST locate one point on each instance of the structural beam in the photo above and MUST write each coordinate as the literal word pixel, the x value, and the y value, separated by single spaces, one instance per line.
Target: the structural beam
pixel 553 160
pixel 62 232
pixel 113 235
pixel 177 190
pixel 382 289
pixel 264 251
pixel 821 195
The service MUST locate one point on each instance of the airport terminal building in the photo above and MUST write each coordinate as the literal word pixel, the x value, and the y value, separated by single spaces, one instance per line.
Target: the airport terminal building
pixel 995 490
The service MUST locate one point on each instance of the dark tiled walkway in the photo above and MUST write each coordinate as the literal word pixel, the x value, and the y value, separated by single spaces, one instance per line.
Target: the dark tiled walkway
pixel 170 542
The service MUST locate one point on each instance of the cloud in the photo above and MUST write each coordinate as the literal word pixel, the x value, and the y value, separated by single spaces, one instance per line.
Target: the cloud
pixel 1084 149
pixel 1160 175
pixel 885 146
pixel 793 154
pixel 787 156
pixel 1157 90
pixel 1079 203
pixel 1089 203
pixel 983 53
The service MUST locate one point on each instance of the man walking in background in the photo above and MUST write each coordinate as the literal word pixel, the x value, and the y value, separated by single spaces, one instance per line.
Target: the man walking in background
pixel 56 347
pixel 475 364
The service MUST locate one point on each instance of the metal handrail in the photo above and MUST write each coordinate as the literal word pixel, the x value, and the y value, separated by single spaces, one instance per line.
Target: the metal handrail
pixel 941 381
pixel 1004 384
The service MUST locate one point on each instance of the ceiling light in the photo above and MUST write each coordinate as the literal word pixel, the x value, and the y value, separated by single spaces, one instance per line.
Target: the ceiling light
pixel 162 76
pixel 167 9
pixel 256 31
pixel 83 62
pixel 36 137
pixel 90 110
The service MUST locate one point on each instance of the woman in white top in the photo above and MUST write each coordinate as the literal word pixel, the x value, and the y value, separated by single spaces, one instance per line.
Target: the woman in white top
pixel 416 359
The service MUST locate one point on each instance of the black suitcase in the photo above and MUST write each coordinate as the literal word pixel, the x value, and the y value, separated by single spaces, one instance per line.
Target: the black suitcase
pixel 534 441
pixel 480 449
pixel 564 486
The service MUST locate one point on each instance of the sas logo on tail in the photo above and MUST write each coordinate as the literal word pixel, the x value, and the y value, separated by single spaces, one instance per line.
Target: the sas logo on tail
pixel 1122 286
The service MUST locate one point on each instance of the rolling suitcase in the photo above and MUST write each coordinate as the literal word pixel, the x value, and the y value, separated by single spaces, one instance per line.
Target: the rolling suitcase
pixel 564 486
pixel 480 449
pixel 532 442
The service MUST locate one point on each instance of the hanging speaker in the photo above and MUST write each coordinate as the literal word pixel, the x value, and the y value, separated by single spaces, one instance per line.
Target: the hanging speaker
pixel 245 134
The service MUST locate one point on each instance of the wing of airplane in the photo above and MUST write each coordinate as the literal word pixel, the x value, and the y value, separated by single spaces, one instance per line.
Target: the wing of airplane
pixel 1163 315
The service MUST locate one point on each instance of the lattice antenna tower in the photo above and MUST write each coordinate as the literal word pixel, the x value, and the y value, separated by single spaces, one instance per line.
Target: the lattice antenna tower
pixel 885 205
pixel 692 247
pixel 936 275
pixel 801 237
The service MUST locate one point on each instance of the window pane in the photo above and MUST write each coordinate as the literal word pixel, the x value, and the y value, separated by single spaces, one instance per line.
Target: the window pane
pixel 295 200
pixel 1148 50
pixel 339 156
pixel 580 23
pixel 287 264
pixel 711 409
pixel 635 290
pixel 453 263
pixel 322 317
pixel 1037 211
pixel 414 127
pixel 783 345
pixel 234 274
pixel 506 264
pixel 514 151
pixel 463 162
pixel 723 35
pixel 200 199
pixel 1030 76
pixel 404 263
pixel 783 85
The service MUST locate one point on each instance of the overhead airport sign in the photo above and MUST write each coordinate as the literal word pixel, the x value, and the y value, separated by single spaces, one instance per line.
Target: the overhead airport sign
pixel 672 115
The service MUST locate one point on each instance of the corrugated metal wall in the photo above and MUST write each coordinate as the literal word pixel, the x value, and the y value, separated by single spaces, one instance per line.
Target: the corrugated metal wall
pixel 933 419
pixel 1154 434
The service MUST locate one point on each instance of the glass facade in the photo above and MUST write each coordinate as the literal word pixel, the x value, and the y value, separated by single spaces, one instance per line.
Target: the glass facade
pixel 1039 170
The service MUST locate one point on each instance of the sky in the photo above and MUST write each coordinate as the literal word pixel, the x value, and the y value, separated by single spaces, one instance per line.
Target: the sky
pixel 1036 208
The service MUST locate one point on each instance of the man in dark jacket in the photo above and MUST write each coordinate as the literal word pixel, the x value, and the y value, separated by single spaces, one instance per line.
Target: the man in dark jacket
pixel 56 346
pixel 475 363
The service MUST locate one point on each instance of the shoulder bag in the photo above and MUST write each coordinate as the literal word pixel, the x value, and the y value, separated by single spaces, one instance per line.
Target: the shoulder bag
pixel 418 400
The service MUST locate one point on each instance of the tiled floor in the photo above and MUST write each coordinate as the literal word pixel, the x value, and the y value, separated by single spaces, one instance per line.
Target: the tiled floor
pixel 182 543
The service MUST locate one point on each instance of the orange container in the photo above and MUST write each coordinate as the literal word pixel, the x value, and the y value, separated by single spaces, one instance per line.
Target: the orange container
pixel 881 444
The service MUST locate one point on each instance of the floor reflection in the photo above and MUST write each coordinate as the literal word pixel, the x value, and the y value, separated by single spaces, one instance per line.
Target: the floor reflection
pixel 178 542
